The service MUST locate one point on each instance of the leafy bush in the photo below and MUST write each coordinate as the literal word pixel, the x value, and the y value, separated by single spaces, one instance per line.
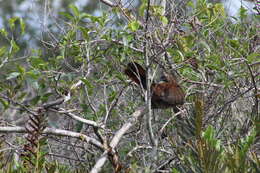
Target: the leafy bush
pixel 70 102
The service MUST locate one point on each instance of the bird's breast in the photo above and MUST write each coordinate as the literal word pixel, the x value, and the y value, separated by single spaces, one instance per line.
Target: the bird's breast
pixel 167 95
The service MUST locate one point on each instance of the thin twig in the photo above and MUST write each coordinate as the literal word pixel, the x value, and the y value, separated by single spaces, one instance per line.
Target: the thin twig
pixel 130 153
pixel 168 121
pixel 113 104
pixel 255 90
pixel 204 83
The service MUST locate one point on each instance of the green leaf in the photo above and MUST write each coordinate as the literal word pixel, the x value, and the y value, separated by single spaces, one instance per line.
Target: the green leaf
pixel 243 12
pixel 34 74
pixel 219 9
pixel 134 25
pixel 248 142
pixel 74 10
pixel 21 69
pixel 3 32
pixel 37 62
pixel 253 57
pixel 87 112
pixel 234 43
pixel 120 76
pixel 46 96
pixel 209 133
pixel 164 20
pixel 84 15
pixel 13 75
pixel 157 10
pixel 174 170
pixel 14 47
pixel 4 103
pixel 2 51
pixel 89 86
pixel 112 96
pixel 67 15
pixel 190 4
pixel 12 22
pixel 181 55
pixel 85 32
pixel 22 26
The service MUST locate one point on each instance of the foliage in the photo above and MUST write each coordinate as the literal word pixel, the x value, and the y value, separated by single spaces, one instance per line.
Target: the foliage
pixel 217 63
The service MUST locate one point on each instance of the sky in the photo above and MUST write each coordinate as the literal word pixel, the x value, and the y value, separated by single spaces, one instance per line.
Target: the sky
pixel 232 7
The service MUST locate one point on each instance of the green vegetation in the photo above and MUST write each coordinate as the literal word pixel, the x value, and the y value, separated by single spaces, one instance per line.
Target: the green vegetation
pixel 62 105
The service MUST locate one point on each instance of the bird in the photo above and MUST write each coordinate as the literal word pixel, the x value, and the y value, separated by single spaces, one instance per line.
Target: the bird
pixel 165 94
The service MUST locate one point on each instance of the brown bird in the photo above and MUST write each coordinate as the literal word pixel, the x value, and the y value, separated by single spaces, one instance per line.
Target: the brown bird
pixel 166 94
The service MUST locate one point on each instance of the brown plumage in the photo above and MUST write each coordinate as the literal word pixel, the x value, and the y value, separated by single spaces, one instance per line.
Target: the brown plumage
pixel 166 94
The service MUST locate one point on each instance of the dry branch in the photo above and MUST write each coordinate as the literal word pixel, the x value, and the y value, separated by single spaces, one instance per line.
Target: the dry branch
pixel 57 132
pixel 77 118
pixel 119 134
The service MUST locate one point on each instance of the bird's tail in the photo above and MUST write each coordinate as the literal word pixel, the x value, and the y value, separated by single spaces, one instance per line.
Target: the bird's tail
pixel 136 73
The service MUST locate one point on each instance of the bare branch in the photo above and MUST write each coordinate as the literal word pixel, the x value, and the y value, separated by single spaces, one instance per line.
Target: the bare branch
pixel 255 90
pixel 148 79
pixel 119 134
pixel 130 153
pixel 53 103
pixel 77 118
pixel 109 3
pixel 168 121
pixel 113 104
pixel 204 83
pixel 57 132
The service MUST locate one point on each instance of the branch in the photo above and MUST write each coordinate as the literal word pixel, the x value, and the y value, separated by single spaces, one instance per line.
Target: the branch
pixel 204 83
pixel 233 98
pixel 121 43
pixel 255 90
pixel 57 132
pixel 18 104
pixel 119 134
pixel 109 3
pixel 113 104
pixel 168 121
pixel 77 118
pixel 148 93
pixel 130 153
pixel 45 106
pixel 119 5
pixel 53 103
